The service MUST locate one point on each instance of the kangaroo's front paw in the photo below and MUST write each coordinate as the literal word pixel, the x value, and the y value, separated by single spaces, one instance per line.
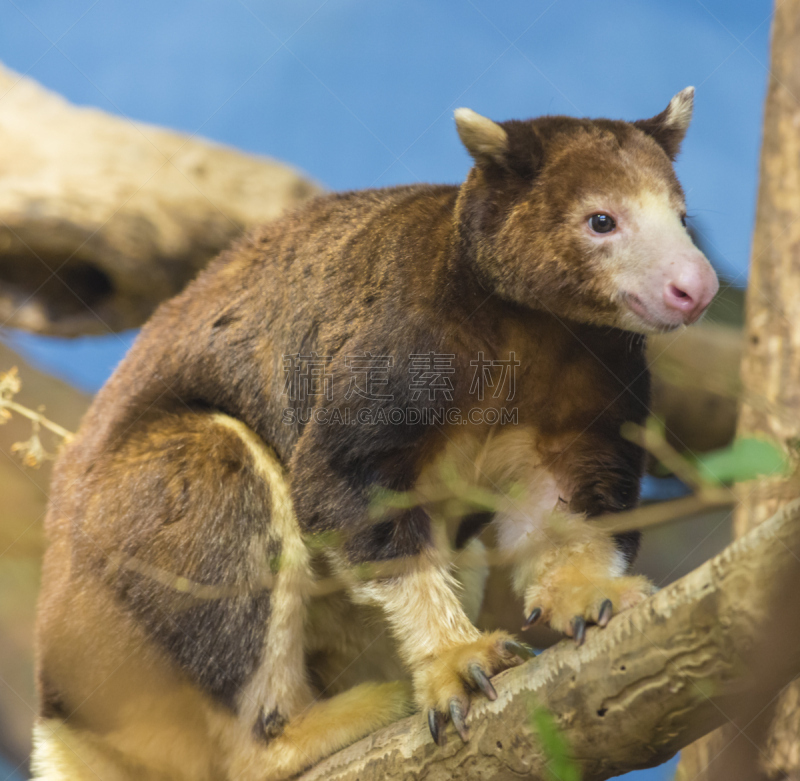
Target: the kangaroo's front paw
pixel 445 681
pixel 567 599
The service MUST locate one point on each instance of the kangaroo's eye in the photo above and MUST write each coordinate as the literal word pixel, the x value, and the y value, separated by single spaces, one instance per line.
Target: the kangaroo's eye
pixel 602 223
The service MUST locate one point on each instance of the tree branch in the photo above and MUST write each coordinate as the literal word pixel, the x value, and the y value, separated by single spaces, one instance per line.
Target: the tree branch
pixel 101 218
pixel 713 647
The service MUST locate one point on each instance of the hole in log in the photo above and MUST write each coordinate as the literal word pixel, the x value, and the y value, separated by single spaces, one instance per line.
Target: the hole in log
pixel 602 712
pixel 76 285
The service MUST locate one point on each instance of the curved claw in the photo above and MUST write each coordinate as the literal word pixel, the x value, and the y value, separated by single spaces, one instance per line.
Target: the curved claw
pixel 482 682
pixel 435 724
pixel 579 629
pixel 606 611
pixel 535 615
pixel 457 716
pixel 519 649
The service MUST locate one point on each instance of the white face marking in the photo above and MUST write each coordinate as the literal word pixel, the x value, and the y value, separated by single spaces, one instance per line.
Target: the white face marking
pixel 658 277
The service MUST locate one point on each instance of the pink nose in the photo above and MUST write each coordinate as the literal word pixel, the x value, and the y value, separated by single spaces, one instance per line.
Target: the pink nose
pixel 692 290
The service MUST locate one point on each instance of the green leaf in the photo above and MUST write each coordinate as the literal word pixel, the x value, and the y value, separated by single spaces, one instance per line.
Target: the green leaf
pixel 560 764
pixel 745 459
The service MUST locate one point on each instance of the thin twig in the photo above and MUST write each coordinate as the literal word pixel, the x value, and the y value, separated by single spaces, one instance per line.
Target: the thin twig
pixel 37 417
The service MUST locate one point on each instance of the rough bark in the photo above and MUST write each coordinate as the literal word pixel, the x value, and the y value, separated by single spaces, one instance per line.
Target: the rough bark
pixel 771 360
pixel 656 678
pixel 101 217
pixel 770 747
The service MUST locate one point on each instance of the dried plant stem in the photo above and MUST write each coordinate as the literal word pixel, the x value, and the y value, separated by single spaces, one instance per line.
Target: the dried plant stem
pixel 37 417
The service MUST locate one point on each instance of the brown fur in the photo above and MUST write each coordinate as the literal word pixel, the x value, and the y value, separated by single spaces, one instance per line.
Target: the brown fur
pixel 178 634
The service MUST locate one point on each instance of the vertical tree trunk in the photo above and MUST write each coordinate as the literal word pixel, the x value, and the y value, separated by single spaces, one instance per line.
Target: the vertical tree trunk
pixel 765 743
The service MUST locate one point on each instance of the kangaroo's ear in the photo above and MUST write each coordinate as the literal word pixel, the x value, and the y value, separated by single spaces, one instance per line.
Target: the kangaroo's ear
pixel 669 127
pixel 485 140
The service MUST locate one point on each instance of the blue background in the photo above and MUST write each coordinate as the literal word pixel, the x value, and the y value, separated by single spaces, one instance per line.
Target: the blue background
pixel 360 93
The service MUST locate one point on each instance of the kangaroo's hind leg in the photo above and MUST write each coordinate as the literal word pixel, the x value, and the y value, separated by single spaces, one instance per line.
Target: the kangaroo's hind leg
pixel 172 618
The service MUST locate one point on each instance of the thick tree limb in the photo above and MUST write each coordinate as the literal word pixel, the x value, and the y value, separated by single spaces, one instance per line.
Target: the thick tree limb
pixel 770 379
pixel 658 677
pixel 102 218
